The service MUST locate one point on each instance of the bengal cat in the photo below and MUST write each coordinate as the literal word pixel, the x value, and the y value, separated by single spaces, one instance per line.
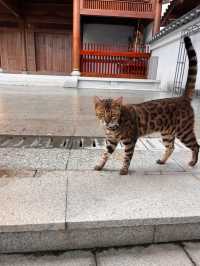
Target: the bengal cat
pixel 172 117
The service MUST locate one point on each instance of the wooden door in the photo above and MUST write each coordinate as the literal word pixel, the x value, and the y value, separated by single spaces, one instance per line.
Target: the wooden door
pixel 53 52
pixel 11 50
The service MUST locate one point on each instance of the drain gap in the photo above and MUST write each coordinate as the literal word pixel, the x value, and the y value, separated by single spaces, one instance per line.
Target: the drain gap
pixel 81 143
pixel 51 141
pixel 94 143
pixel 64 143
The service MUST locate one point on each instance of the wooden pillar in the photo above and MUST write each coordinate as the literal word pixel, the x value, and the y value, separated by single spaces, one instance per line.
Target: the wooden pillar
pixel 23 38
pixel 158 12
pixel 76 40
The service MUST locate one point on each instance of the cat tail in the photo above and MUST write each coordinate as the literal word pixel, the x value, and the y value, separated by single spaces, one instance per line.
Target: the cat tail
pixel 192 70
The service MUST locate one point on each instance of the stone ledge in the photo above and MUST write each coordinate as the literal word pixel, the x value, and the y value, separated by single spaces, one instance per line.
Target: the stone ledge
pixel 118 84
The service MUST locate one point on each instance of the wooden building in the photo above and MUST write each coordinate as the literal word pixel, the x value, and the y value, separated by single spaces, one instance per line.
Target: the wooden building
pixel 91 37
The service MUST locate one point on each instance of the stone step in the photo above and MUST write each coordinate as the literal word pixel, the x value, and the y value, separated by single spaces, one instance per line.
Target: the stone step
pixel 51 199
pixel 64 204
pixel 117 84
pixel 185 254
pixel 78 82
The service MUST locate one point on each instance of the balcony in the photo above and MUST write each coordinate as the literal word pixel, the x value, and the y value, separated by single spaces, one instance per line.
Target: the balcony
pixel 119 8
pixel 99 60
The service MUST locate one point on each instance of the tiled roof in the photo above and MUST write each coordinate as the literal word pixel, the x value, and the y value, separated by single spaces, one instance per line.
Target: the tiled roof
pixel 191 15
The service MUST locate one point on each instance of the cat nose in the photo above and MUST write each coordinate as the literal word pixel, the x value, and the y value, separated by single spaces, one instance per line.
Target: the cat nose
pixel 107 122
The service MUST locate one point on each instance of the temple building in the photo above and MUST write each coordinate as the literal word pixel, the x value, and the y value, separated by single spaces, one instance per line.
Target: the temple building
pixel 98 38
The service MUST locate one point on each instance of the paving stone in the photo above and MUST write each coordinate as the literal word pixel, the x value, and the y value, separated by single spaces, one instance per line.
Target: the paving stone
pixel 43 111
pixel 100 143
pixel 177 232
pixel 16 173
pixel 88 128
pixel 183 158
pixel 29 204
pixel 73 258
pixel 196 174
pixel 154 255
pixel 179 145
pixel 51 173
pixel 193 249
pixel 33 158
pixel 99 199
pixel 139 146
pixel 152 143
pixel 141 162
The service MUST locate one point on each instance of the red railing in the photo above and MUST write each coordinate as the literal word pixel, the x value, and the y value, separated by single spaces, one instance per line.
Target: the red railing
pixel 99 62
pixel 131 7
pixel 135 5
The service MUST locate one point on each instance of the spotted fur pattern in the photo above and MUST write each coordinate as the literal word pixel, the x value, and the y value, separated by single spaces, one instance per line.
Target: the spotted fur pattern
pixel 172 117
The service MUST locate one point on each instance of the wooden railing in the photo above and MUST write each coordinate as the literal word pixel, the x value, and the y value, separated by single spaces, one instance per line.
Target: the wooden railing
pixel 117 47
pixel 111 63
pixel 125 8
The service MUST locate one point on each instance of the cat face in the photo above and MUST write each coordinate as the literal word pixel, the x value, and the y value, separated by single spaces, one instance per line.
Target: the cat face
pixel 108 112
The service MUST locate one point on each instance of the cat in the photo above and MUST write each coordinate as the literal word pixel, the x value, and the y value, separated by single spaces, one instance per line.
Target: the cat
pixel 172 117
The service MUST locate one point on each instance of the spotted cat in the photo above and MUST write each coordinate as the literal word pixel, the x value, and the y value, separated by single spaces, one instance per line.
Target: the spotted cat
pixel 172 117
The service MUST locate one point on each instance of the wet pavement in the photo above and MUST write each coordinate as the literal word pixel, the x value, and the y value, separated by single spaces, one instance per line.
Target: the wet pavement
pixel 62 112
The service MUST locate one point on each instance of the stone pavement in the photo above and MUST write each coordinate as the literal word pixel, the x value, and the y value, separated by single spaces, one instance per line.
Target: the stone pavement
pixel 62 112
pixel 52 199
pixel 179 254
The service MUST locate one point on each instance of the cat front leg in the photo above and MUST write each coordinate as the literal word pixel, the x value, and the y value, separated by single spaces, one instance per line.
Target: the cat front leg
pixel 129 149
pixel 110 148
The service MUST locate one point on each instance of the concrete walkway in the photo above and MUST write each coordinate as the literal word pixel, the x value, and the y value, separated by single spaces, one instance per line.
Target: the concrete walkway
pixel 180 254
pixel 52 199
pixel 61 112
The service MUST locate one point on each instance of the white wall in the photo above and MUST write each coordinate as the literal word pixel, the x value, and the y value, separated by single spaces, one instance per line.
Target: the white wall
pixel 166 48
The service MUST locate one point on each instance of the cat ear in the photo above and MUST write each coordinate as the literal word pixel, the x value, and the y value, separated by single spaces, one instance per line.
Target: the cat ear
pixel 118 100
pixel 97 100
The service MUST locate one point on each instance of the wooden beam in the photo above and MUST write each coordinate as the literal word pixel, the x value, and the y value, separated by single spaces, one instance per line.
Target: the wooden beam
pixel 76 41
pixel 10 8
pixel 158 12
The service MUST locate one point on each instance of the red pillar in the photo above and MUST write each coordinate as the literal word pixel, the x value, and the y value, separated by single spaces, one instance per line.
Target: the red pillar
pixel 76 39
pixel 158 12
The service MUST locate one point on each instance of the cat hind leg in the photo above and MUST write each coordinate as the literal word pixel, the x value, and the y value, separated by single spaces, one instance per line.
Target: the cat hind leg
pixel 190 141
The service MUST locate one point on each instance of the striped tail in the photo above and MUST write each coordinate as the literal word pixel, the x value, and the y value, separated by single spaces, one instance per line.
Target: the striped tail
pixel 192 70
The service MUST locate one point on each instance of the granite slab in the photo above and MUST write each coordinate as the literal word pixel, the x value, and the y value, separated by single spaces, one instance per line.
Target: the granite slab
pixel 31 159
pixel 106 199
pixel 154 255
pixel 142 162
pixel 33 204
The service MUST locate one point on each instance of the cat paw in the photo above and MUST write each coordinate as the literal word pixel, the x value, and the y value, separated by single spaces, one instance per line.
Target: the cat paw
pixel 160 162
pixel 123 171
pixel 98 168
